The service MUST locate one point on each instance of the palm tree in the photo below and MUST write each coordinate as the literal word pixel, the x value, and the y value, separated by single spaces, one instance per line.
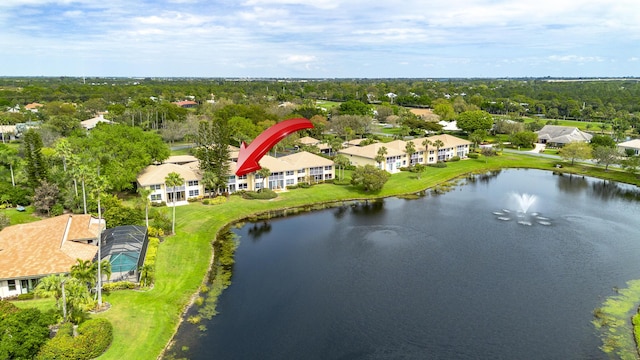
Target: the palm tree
pixel 144 197
pixel 83 271
pixel 105 268
pixel 210 181
pixel 146 275
pixel 9 156
pixel 438 144
pixel 172 180
pixel 410 149
pixel 50 286
pixel 77 299
pixel 342 161
pixel 380 157
pixel 426 144
pixel 264 173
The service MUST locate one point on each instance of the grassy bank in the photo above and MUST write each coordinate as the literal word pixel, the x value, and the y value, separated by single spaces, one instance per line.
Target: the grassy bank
pixel 144 321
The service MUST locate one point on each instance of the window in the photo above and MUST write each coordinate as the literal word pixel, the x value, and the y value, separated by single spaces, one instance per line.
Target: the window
pixel 194 193
pixel 155 197
pixel 328 167
pixel 301 171
pixel 12 285
pixel 290 181
pixel 243 186
pixel 193 182
pixel 289 172
pixel 155 187
pixel 243 177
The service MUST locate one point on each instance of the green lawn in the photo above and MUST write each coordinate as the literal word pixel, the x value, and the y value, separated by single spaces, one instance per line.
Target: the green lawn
pixel 327 104
pixel 144 321
pixel 20 217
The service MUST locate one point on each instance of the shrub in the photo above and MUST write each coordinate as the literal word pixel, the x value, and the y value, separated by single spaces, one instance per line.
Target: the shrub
pixel 488 152
pixel 158 204
pixel 56 210
pixel 94 337
pixel 27 296
pixel 118 285
pixel 473 155
pixel 455 158
pixel 262 194
pixel 292 187
pixel 342 182
pixel 215 201
pixel 304 185
pixel 155 232
pixel 439 165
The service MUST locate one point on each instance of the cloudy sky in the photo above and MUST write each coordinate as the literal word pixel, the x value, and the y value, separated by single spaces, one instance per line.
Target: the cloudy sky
pixel 320 38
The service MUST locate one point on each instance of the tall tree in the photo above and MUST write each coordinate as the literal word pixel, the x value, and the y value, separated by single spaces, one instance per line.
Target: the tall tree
pixel 173 180
pixel 9 157
pixel 438 144
pixel 144 198
pixel 426 143
pixel 470 121
pixel 342 162
pixel 36 166
pixel 576 151
pixel 606 155
pixel 410 149
pixel 213 151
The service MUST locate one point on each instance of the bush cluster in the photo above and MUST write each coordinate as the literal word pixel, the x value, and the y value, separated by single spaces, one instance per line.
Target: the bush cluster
pixel 215 201
pixel 292 187
pixel 159 204
pixel 118 285
pixel 440 164
pixel 262 194
pixel 94 337
pixel 473 155
pixel 155 232
pixel 304 185
pixel 454 158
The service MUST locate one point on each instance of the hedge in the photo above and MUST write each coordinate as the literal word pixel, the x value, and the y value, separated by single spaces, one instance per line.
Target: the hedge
pixel 94 337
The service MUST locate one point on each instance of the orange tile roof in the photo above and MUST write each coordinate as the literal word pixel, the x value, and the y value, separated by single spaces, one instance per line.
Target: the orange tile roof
pixel 47 246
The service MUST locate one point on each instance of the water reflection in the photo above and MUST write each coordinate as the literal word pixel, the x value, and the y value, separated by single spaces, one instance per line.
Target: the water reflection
pixel 604 190
pixel 256 230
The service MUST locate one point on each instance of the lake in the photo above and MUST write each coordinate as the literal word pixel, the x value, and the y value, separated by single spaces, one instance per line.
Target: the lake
pixel 459 275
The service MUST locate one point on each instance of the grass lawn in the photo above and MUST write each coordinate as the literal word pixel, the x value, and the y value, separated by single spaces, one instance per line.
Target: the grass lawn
pixel 144 321
pixel 40 304
pixel 327 104
pixel 20 217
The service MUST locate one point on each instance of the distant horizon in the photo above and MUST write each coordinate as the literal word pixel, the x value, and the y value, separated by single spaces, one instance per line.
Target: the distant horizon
pixel 240 78
pixel 321 39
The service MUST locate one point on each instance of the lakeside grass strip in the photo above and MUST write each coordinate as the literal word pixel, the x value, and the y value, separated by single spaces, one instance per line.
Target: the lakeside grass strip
pixel 145 321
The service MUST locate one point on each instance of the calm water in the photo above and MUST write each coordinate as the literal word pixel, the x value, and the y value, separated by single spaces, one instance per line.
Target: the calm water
pixel 441 277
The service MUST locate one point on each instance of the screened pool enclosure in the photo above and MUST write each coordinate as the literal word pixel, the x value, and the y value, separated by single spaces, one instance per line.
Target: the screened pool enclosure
pixel 125 247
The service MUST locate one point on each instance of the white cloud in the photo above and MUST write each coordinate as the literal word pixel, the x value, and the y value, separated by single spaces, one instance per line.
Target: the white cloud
pixel 576 58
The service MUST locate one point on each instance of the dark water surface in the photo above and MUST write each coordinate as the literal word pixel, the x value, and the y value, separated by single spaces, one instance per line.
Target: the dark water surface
pixel 441 277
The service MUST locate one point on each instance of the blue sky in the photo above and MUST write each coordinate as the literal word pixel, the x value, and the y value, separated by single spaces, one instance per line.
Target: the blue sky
pixel 320 38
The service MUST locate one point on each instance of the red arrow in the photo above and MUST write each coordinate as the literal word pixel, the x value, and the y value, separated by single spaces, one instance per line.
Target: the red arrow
pixel 249 156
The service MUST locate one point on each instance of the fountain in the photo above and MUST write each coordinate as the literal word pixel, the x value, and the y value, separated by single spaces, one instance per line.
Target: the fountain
pixel 524 203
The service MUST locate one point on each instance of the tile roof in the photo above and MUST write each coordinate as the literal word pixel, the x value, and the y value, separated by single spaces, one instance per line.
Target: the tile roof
pixel 562 134
pixel 635 143
pixel 303 159
pixel 397 147
pixel 47 246
pixel 156 174
pixel 308 140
